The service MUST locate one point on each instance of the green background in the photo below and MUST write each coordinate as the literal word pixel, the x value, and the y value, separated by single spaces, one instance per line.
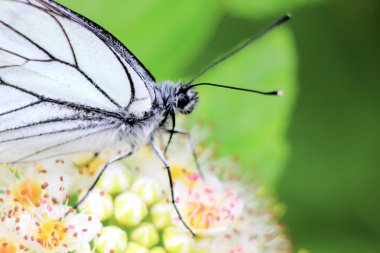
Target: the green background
pixel 318 147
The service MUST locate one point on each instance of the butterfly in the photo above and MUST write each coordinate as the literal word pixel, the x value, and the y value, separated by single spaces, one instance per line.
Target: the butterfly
pixel 68 85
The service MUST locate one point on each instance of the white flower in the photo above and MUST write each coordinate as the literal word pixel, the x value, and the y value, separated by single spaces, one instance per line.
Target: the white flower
pixel 50 230
pixel 256 229
pixel 40 219
pixel 251 234
pixel 206 205
pixel 9 240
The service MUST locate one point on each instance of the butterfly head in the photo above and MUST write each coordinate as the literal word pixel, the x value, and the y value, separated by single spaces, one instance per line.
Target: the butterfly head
pixel 185 99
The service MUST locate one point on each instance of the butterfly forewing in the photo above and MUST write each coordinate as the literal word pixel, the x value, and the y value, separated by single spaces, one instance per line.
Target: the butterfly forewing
pixel 63 80
pixel 132 65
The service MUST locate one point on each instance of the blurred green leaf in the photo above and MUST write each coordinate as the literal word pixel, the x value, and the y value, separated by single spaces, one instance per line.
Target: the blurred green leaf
pixel 165 35
pixel 259 9
pixel 249 125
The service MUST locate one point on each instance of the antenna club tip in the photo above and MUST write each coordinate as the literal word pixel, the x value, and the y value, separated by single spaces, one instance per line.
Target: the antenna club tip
pixel 283 19
pixel 280 93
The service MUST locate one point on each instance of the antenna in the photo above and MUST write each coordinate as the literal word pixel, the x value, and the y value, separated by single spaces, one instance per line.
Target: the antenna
pixel 279 22
pixel 269 93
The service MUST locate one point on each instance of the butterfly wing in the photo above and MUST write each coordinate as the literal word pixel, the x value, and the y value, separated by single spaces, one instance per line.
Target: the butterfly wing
pixel 63 80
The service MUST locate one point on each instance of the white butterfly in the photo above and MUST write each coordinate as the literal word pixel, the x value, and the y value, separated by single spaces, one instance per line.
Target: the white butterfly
pixel 68 85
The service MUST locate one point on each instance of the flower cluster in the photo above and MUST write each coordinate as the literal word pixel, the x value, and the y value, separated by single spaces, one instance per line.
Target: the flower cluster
pixel 130 209
pixel 35 215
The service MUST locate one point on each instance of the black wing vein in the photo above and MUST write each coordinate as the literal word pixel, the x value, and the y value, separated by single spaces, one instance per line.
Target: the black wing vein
pixel 81 107
pixel 20 108
pixel 61 144
pixel 28 39
pixel 52 132
pixel 67 38
pixel 102 34
pixel 53 120
pixel 61 61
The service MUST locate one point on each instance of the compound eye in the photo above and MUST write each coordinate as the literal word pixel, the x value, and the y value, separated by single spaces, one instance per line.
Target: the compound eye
pixel 183 100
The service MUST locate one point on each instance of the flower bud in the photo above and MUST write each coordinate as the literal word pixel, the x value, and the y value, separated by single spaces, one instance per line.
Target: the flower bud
pixel 145 234
pixel 111 239
pixel 147 189
pixel 157 250
pixel 136 248
pixel 115 179
pixel 129 209
pixel 178 241
pixel 161 214
pixel 98 203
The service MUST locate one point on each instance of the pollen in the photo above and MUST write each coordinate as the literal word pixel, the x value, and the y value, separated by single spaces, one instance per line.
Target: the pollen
pixel 178 172
pixel 51 234
pixel 28 192
pixel 201 216
pixel 89 166
pixel 184 175
pixel 7 246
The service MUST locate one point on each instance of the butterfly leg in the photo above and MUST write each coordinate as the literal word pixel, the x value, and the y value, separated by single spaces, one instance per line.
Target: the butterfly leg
pixel 192 146
pixel 161 156
pixel 115 159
